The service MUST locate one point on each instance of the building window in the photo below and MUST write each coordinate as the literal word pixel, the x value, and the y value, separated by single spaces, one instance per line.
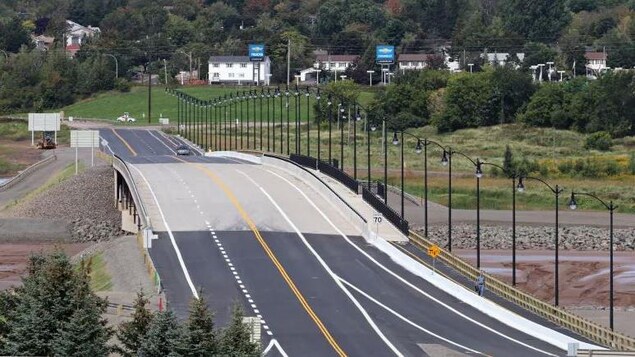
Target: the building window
pixel 332 64
pixel 215 65
pixel 231 75
pixel 243 65
pixel 216 75
pixel 229 65
pixel 341 65
pixel 241 75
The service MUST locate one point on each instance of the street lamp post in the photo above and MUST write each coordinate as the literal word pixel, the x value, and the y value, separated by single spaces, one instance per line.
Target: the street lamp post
pixel 520 188
pixel 116 64
pixel 317 76
pixel 557 190
pixel 610 207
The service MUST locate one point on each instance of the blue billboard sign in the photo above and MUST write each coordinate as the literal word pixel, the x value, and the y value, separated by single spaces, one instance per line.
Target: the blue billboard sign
pixel 385 54
pixel 257 52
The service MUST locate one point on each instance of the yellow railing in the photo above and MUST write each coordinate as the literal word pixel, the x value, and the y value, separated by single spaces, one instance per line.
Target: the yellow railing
pixel 591 330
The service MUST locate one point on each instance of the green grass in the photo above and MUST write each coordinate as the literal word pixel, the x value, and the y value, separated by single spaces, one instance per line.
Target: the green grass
pixel 100 279
pixel 110 105
pixel 548 147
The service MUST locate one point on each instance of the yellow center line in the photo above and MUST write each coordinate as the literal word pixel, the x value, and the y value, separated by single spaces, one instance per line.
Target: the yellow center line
pixel 124 142
pixel 232 198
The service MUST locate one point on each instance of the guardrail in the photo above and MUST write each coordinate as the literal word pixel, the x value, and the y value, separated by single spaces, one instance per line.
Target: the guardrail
pixel 121 166
pixel 591 330
pixel 601 353
pixel 29 170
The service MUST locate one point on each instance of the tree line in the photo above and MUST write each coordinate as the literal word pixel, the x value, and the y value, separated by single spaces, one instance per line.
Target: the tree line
pixel 499 95
pixel 55 313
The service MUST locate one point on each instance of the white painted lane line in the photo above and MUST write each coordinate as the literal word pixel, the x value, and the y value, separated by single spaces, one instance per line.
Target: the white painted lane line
pixel 402 279
pixel 171 235
pixel 256 311
pixel 327 269
pixel 235 273
pixel 405 319
pixel 161 141
pixel 253 306
pixel 248 296
pixel 271 334
pixel 273 343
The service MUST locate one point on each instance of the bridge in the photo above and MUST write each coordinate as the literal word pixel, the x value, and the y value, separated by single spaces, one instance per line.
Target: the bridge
pixel 306 255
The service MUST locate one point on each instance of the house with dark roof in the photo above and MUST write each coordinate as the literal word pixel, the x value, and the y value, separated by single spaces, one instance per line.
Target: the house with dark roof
pixel 239 70
pixel 595 61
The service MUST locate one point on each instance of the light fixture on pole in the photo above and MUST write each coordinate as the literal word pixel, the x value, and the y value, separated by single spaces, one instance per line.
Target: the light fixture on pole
pixel 556 190
pixel 610 207
pixel 470 65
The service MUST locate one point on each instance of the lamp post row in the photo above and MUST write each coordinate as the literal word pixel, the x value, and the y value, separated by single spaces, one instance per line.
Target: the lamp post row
pixel 189 107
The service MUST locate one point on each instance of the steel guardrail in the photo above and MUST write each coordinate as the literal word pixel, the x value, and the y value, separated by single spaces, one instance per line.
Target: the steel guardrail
pixel 29 170
pixel 602 353
pixel 121 166
pixel 591 330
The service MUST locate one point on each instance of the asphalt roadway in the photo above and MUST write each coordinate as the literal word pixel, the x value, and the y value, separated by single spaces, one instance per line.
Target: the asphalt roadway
pixel 260 237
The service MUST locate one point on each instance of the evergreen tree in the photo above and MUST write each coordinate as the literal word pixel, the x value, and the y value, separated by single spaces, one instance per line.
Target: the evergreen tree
pixel 164 337
pixel 201 337
pixel 235 339
pixel 131 333
pixel 85 335
pixel 508 161
pixel 47 307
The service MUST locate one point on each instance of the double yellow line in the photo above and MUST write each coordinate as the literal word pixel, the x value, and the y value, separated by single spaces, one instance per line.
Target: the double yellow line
pixel 232 198
pixel 124 142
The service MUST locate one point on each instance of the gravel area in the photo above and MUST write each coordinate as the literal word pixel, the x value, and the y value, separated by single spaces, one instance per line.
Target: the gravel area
pixel 533 237
pixel 85 201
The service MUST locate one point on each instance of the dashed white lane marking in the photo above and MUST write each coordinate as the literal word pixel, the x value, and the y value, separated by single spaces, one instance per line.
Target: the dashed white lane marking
pixel 233 271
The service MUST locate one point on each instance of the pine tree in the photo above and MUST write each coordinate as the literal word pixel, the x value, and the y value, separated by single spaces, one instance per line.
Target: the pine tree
pixel 508 161
pixel 164 337
pixel 46 307
pixel 235 339
pixel 85 335
pixel 201 337
pixel 130 333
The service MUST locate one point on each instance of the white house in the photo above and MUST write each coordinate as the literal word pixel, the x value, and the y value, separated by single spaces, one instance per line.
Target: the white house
pixel 595 61
pixel 76 34
pixel 334 62
pixel 238 69
pixel 408 61
pixel 501 58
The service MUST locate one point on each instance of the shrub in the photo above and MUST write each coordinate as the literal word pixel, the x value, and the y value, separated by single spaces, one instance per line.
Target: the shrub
pixel 122 85
pixel 600 140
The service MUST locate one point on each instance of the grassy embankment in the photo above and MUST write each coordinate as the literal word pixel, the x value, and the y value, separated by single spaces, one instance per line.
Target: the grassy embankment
pixel 551 150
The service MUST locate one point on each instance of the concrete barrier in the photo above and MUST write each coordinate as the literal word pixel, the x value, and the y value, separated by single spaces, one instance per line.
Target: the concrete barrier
pixel 26 172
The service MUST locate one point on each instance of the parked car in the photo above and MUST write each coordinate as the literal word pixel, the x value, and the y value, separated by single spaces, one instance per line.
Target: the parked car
pixel 183 150
pixel 126 118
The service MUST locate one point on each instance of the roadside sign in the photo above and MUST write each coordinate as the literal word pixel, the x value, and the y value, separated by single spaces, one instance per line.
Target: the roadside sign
pixel 256 52
pixel 385 54
pixel 44 121
pixel 84 138
pixel 434 251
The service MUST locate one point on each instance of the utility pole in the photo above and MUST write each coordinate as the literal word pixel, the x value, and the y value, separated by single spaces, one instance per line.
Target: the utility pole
pixel 165 67
pixel 288 61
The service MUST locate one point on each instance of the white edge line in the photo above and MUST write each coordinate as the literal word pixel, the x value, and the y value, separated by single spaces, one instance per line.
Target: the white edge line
pixel 327 269
pixel 159 140
pixel 167 227
pixel 402 279
pixel 405 319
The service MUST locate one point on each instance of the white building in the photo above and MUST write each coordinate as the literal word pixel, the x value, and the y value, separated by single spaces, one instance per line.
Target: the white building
pixel 76 34
pixel 595 61
pixel 501 58
pixel 409 61
pixel 238 69
pixel 334 62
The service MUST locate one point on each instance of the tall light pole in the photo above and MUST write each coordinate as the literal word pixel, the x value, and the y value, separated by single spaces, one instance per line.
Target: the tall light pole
pixel 550 63
pixel 540 65
pixel 561 73
pixel 610 207
pixel 370 79
pixel 514 176
pixel 317 76
pixel 557 190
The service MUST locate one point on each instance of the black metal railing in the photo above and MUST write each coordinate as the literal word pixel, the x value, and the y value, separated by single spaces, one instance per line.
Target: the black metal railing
pixel 340 176
pixel 303 160
pixel 386 211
